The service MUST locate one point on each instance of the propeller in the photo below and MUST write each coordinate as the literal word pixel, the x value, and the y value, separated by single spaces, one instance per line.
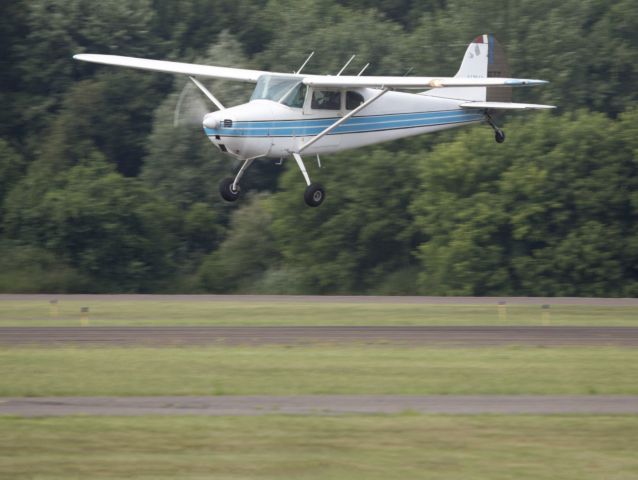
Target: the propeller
pixel 191 108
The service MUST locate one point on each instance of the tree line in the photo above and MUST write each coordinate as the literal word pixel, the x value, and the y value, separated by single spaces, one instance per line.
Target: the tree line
pixel 107 183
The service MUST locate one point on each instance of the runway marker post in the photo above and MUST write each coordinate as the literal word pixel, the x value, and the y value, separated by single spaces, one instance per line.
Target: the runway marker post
pixel 545 314
pixel 55 308
pixel 502 311
pixel 84 316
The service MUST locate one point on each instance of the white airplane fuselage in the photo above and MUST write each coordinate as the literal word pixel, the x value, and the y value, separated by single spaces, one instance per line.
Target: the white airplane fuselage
pixel 290 115
pixel 266 128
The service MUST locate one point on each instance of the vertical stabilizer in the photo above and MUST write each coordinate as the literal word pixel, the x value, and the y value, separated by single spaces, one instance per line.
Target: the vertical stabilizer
pixel 483 58
pixel 476 58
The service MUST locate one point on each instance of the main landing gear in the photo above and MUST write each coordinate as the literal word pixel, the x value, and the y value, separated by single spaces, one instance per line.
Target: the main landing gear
pixel 229 187
pixel 499 135
pixel 313 196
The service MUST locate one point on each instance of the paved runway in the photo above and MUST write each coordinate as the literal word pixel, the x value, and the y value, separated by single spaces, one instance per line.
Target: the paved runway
pixel 404 300
pixel 284 335
pixel 321 405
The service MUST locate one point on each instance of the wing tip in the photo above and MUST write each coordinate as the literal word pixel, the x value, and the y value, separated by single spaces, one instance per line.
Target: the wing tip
pixel 524 82
pixel 87 57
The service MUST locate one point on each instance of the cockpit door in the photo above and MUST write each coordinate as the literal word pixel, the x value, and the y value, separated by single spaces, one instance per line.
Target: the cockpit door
pixel 321 109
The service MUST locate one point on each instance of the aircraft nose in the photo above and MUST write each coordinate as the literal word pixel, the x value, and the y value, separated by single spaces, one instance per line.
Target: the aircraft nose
pixel 211 120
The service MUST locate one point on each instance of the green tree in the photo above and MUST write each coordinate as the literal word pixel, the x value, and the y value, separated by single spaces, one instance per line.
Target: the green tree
pixel 59 29
pixel 587 50
pixel 550 212
pixel 111 113
pixel 11 169
pixel 405 12
pixel 361 234
pixel 55 30
pixel 110 228
pixel 12 30
pixel 246 253
pixel 188 25
pixel 29 269
pixel 334 33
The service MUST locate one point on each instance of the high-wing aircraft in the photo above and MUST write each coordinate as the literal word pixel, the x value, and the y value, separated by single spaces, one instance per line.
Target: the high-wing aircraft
pixel 301 114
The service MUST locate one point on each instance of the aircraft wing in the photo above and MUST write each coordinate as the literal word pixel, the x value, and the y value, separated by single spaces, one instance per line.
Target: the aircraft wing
pixel 505 106
pixel 419 83
pixel 192 69
pixel 244 75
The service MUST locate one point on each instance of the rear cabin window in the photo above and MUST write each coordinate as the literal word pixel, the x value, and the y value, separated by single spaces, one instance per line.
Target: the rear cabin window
pixel 326 100
pixel 353 100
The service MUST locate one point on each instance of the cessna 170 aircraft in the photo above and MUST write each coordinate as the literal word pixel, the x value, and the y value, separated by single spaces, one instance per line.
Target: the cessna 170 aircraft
pixel 301 114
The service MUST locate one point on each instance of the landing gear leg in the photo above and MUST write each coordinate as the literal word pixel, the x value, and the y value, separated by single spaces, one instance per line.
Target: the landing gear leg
pixel 499 135
pixel 229 187
pixel 315 193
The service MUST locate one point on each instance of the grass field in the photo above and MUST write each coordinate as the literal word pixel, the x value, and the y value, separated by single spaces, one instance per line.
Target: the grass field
pixel 316 370
pixel 138 313
pixel 344 447
pixel 495 447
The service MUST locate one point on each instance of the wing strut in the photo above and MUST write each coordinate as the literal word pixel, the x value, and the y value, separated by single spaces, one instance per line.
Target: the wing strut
pixel 341 120
pixel 206 92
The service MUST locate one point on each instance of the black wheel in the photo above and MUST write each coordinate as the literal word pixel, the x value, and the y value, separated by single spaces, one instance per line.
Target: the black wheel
pixel 227 191
pixel 499 136
pixel 314 195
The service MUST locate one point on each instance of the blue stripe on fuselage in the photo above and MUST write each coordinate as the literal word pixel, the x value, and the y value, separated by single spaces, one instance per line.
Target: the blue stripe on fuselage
pixel 372 123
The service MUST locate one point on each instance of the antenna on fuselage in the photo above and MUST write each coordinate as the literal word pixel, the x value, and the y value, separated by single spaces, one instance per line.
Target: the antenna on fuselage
pixel 409 70
pixel 363 69
pixel 346 65
pixel 304 63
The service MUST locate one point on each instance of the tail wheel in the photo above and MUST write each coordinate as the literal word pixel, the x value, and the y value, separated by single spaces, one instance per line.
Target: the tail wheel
pixel 499 136
pixel 314 195
pixel 227 191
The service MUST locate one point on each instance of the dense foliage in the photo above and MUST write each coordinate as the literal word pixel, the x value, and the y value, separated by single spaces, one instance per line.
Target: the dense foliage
pixel 108 184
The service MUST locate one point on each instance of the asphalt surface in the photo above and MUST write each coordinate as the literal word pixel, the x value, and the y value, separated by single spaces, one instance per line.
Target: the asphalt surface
pixel 321 405
pixel 612 302
pixel 287 335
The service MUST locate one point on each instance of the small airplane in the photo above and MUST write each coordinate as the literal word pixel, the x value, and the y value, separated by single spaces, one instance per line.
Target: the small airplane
pixel 301 114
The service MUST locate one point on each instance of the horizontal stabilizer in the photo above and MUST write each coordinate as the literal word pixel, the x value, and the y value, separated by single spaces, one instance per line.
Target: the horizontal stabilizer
pixel 505 106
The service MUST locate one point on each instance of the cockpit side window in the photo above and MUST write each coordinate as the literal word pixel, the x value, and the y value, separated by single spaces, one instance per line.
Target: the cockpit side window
pixel 353 100
pixel 326 100
pixel 296 96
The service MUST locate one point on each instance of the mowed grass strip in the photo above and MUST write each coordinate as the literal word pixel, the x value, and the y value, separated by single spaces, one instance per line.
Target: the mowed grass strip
pixel 147 312
pixel 316 370
pixel 343 447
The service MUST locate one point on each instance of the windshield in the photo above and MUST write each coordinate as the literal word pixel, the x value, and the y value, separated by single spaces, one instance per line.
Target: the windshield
pixel 280 89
